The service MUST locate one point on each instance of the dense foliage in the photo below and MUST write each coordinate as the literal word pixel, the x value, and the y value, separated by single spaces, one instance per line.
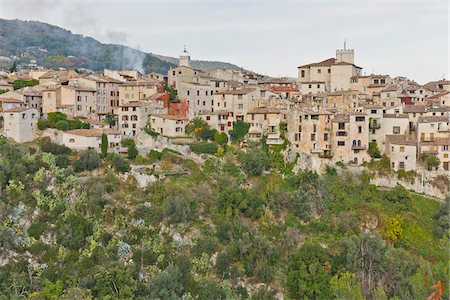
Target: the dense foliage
pixel 222 231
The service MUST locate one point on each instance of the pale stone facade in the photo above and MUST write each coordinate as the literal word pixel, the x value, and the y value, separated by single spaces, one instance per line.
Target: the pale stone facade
pixel 169 126
pixel 402 152
pixel 20 124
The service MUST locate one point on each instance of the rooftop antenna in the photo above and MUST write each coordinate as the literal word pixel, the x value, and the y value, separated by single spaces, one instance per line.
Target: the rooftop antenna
pixel 345 43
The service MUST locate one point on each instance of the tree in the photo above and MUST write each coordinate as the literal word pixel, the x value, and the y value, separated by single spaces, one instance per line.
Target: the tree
pixel 89 160
pixel 177 209
pixel 309 274
pixel 198 128
pixel 239 131
pixel 131 147
pixel 120 164
pixel 430 161
pixel 220 138
pixel 42 124
pixel 255 161
pixel 393 229
pixel 173 95
pixel 167 286
pixel 104 145
pixel 62 125
pixel 346 287
pixel 442 216
pixel 111 120
pixel 13 68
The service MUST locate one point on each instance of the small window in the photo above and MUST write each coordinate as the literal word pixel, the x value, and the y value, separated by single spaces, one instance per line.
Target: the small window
pixel 341 143
pixel 402 148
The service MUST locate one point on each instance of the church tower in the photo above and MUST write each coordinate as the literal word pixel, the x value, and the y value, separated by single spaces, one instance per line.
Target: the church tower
pixel 345 55
pixel 185 59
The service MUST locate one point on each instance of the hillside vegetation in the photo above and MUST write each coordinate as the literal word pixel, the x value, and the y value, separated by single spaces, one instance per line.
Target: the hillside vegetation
pixel 242 226
pixel 68 50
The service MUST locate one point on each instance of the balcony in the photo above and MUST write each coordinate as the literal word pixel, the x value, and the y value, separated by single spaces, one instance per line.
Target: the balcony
pixel 274 141
pixel 359 147
pixel 316 151
pixel 326 154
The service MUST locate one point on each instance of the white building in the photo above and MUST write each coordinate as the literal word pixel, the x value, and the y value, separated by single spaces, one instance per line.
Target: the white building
pixel 20 124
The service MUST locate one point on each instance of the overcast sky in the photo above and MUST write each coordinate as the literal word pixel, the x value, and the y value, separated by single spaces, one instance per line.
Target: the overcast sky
pixel 409 38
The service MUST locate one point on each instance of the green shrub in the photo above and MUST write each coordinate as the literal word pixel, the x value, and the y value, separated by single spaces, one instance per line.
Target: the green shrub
pixel 62 160
pixel 42 124
pixel 205 147
pixel 50 147
pixel 120 164
pixel 239 131
pixel 430 161
pixel 220 138
pixel 89 160
pixel 62 125
pixel 131 146
pixel 373 150
pixel 255 161
pixel 155 155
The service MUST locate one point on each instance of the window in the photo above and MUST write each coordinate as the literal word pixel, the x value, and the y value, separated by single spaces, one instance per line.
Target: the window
pixel 239 97
pixel 341 126
pixel 375 81
pixel 313 136
pixel 319 71
pixel 309 85
pixel 198 93
pixel 325 136
pixel 360 130
pixel 303 73
pixel 188 92
pixel 240 106
pixel 373 111
pixel 445 148
pixel 318 86
pixel 314 128
pixel 329 70
pixel 24 116
pixel 72 141
pixel 383 81
pixel 396 130
pixel 360 119
pixel 341 143
pixel 208 118
pixel 401 165
pixel 402 148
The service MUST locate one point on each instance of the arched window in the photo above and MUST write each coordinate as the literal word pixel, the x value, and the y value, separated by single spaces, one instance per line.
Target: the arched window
pixel 354 142
pixel 359 142
pixel 134 118
pixel 124 118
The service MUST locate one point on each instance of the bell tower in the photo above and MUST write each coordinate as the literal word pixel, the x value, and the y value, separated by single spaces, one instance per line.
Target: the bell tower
pixel 185 59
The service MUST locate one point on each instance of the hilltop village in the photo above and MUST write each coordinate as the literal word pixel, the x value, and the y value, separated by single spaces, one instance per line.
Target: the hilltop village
pixel 330 114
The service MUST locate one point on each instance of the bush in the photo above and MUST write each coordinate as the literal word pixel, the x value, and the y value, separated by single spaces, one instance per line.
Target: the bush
pixel 50 147
pixel 120 164
pixel 131 146
pixel 42 124
pixel 239 131
pixel 209 148
pixel 62 125
pixel 399 195
pixel 54 117
pixel 89 160
pixel 62 160
pixel 255 161
pixel 177 209
pixel 220 138
pixel 430 161
pixel 155 155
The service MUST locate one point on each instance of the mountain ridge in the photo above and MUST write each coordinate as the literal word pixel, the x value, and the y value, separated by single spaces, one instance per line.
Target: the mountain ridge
pixel 53 47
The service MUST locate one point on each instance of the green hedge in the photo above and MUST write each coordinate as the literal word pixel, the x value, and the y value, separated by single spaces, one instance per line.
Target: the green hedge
pixel 210 148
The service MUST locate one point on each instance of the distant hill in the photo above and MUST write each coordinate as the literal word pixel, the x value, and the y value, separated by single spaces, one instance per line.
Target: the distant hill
pixel 55 47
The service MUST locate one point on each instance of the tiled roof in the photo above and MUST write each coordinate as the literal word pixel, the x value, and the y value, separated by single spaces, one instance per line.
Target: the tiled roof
pixel 398 116
pixel 237 92
pixel 325 63
pixel 85 132
pixel 17 109
pixel 401 139
pixel 432 119
pixel 171 117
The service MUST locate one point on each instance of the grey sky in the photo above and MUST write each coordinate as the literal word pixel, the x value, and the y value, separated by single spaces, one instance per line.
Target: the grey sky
pixel 409 38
